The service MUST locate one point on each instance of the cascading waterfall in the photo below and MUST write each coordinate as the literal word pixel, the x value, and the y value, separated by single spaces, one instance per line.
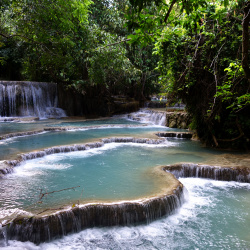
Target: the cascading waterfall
pixel 29 99
pixel 149 116
pixel 212 172
pixel 45 228
pixel 72 148
pixel 40 229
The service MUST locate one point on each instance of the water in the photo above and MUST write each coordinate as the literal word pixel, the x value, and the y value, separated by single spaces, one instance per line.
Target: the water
pixel 215 216
pixel 149 116
pixel 116 171
pixel 29 99
pixel 28 124
pixel 110 121
pixel 24 126
pixel 11 147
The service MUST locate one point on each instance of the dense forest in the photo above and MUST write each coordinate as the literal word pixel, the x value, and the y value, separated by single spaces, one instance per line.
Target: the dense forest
pixel 192 51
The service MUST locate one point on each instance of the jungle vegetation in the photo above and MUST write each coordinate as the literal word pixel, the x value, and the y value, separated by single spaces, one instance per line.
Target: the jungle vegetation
pixel 195 51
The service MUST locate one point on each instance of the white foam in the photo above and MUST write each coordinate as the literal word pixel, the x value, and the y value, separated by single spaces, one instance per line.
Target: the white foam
pixel 72 129
pixel 85 153
pixel 5 214
pixel 183 230
pixel 149 117
pixel 50 162
pixel 17 245
pixel 193 183
pixel 12 139
pixel 31 168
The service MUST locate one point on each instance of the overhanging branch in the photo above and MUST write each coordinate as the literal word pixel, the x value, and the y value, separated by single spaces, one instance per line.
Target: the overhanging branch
pixel 169 11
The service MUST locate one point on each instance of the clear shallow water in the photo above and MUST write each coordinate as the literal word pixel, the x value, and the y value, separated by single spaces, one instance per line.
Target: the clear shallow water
pixel 111 121
pixel 14 127
pixel 13 146
pixel 115 171
pixel 24 125
pixel 214 216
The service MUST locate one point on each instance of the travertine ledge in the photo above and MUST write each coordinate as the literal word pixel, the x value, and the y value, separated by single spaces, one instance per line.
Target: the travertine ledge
pixel 184 135
pixel 225 173
pixel 47 227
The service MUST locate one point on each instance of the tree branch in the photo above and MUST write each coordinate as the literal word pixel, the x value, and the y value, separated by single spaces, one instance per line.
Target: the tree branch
pixel 231 140
pixel 238 137
pixel 29 39
pixel 56 191
pixel 169 11
pixel 1 34
pixel 123 41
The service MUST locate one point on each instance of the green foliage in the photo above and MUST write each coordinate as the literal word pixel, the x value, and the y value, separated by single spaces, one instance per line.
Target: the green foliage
pixel 190 49
pixel 200 63
pixel 71 42
pixel 122 68
pixel 110 66
pixel 51 33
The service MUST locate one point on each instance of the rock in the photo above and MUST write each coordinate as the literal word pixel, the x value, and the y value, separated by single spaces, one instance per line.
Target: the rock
pixel 178 120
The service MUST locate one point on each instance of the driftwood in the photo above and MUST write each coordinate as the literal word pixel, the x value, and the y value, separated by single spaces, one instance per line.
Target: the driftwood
pixel 42 195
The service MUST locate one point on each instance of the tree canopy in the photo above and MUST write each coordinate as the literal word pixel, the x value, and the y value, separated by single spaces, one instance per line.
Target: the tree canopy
pixel 203 51
pixel 71 42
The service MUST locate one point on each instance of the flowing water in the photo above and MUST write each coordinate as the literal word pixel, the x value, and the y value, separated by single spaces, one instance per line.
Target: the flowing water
pixel 116 171
pixel 215 214
pixel 149 116
pixel 28 124
pixel 29 99
pixel 11 147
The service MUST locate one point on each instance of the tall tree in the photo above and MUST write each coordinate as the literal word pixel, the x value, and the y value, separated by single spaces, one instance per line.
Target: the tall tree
pixel 203 50
pixel 52 33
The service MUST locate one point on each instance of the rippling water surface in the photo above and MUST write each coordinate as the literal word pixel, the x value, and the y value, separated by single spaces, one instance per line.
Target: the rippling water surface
pixel 113 172
pixel 214 216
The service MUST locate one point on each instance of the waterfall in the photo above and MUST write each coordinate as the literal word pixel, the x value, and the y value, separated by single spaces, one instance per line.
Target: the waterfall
pixel 39 229
pixel 3 235
pixel 72 148
pixel 212 172
pixel 186 135
pixel 29 99
pixel 149 116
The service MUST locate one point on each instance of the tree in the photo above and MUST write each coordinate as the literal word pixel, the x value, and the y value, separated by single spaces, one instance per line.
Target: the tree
pixel 52 33
pixel 200 45
pixel 76 42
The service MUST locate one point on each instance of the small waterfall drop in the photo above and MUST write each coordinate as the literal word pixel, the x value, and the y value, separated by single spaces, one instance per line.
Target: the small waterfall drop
pixel 211 172
pixel 29 99
pixel 41 229
pixel 149 116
